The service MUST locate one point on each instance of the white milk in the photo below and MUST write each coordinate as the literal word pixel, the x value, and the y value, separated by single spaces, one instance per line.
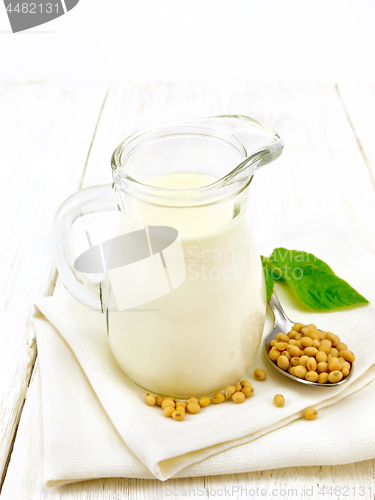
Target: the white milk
pixel 203 335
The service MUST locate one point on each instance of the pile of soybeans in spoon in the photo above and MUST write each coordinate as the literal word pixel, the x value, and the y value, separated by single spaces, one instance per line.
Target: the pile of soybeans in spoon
pixel 311 354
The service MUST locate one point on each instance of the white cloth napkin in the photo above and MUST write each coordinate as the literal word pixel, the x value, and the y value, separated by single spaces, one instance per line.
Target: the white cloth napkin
pixel 96 424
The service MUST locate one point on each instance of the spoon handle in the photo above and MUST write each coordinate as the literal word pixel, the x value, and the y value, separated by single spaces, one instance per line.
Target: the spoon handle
pixel 281 319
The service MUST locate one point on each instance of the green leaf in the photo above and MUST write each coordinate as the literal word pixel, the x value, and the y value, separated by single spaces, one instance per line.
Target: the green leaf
pixel 286 263
pixel 313 281
pixel 267 276
pixel 324 291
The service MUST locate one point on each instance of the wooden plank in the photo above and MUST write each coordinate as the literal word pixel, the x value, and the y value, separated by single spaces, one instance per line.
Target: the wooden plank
pixel 29 438
pixel 310 188
pixel 346 482
pixel 359 102
pixel 45 133
pixel 24 479
pixel 25 475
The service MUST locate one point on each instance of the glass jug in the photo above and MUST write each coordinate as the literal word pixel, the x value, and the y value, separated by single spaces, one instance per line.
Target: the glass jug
pixel 179 278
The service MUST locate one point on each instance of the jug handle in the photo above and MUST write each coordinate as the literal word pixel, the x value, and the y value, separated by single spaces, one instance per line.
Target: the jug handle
pixel 73 208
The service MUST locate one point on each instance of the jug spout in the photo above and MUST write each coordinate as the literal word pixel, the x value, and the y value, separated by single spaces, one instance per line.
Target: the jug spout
pixel 257 143
pixel 229 149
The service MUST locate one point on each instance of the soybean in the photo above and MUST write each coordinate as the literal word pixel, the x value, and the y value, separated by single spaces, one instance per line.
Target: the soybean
pixel 191 399
pixel 293 350
pixel 281 337
pixel 150 399
pixel 218 398
pixel 311 364
pixel 281 346
pixel 311 376
pixel 193 407
pixel 279 400
pixel 177 415
pixel 322 367
pixel 229 391
pixel 348 355
pixel 283 362
pixel 248 391
pixel 294 361
pixel 159 400
pixel 325 346
pixel 335 377
pixel 311 351
pixel 341 346
pixel 334 365
pixel 313 334
pixel 306 341
pixel 168 402
pixel 322 378
pixel 168 411
pixel 238 397
pixel 300 371
pixel 303 360
pixel 321 357
pixel 203 402
pixel 297 327
pixel 310 414
pixel 260 374
pixel 245 383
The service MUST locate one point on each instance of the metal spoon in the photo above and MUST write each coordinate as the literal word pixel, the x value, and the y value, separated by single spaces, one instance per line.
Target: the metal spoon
pixel 284 325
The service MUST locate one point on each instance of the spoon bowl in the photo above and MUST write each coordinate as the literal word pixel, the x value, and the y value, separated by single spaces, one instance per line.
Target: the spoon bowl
pixel 283 324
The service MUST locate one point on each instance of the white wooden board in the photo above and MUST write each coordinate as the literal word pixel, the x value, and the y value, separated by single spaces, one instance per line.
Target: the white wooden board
pixel 311 187
pixel 359 101
pixel 24 477
pixel 45 133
